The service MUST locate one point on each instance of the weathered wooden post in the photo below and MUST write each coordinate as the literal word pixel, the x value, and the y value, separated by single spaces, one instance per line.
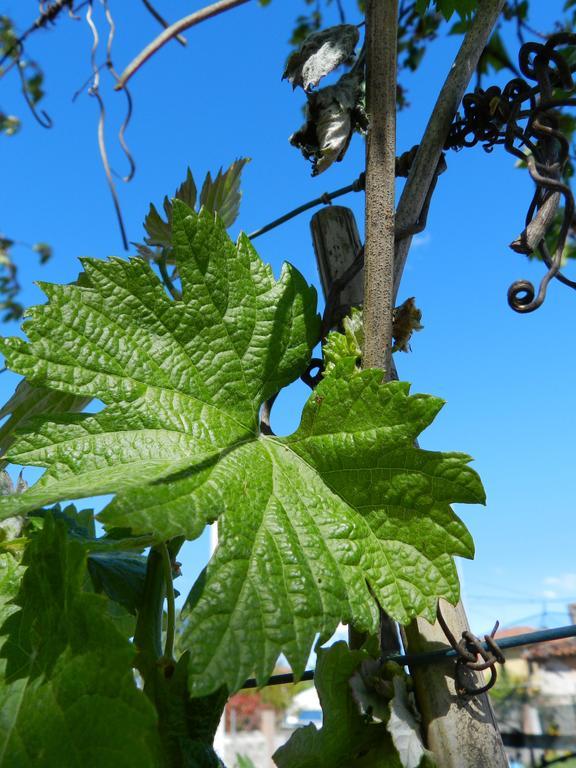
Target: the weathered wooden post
pixel 462 733
pixel 336 245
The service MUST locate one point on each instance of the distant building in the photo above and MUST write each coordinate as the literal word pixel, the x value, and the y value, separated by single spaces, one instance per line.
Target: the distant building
pixel 537 690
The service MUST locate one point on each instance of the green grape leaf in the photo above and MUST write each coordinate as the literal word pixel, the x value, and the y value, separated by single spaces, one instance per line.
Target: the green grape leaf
pixel 183 381
pixel 405 729
pixel 44 251
pixel 160 231
pixel 243 761
pixel 120 575
pixel 68 695
pixel 342 346
pixel 321 53
pixel 9 124
pixel 187 725
pixel 222 195
pixel 80 524
pixel 347 738
pixel 344 502
pixel 11 572
pixel 29 401
pixel 314 528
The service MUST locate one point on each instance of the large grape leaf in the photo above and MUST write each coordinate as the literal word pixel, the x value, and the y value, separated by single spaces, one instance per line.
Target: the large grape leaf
pixel 29 401
pixel 183 381
pixel 220 195
pixel 310 524
pixel 68 694
pixel 315 527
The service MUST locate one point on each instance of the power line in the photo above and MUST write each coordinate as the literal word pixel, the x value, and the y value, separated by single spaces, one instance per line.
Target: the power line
pixel 514 600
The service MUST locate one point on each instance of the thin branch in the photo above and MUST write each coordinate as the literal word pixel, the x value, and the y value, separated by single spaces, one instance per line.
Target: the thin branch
pixel 87 82
pixel 402 168
pixel 94 91
pixel 126 122
pixel 162 21
pixel 163 267
pixel 432 144
pixel 173 31
pixel 49 16
pixel 531 237
pixel 42 117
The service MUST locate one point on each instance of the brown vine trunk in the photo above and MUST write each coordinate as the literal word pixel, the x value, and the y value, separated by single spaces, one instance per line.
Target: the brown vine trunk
pixel 381 58
pixel 462 734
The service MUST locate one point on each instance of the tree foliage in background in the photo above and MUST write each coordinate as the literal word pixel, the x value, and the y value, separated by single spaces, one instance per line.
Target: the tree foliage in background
pixel 32 86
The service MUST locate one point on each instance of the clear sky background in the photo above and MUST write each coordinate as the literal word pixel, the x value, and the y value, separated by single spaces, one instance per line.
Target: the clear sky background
pixel 508 379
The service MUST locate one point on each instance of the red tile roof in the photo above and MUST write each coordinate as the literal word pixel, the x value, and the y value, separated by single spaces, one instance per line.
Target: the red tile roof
pixel 513 631
pixel 553 648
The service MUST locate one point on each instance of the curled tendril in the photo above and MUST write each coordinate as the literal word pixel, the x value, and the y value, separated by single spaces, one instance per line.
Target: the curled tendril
pixel 124 126
pixel 521 296
pixel 41 116
pixel 94 91
pixel 524 119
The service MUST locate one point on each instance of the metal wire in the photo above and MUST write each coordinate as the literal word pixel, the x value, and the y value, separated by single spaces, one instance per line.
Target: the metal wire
pixel 438 657
pixel 324 199
pixel 403 166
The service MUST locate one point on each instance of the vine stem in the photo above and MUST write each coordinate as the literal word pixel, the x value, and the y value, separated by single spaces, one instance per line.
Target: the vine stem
pixel 381 75
pixel 430 148
pixel 171 610
pixel 162 21
pixel 148 633
pixel 457 738
pixel 173 31
pixel 167 280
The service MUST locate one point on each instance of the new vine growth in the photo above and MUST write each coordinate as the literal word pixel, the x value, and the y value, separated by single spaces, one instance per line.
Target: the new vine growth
pixel 186 345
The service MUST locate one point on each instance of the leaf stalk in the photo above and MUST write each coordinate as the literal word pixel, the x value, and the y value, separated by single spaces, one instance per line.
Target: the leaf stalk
pixel 170 607
pixel 148 633
pixel 174 30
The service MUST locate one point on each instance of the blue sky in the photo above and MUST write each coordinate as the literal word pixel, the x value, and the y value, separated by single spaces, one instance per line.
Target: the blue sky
pixel 507 379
